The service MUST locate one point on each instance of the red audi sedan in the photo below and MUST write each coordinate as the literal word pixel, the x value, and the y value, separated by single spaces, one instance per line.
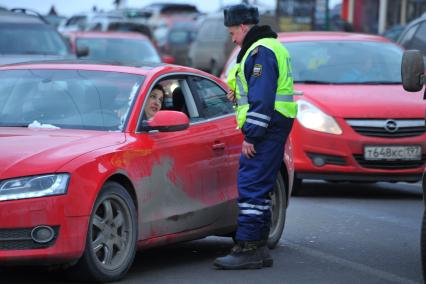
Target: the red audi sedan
pixel 355 122
pixel 85 179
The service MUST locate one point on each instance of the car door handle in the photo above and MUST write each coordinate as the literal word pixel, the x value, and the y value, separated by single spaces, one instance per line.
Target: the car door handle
pixel 218 146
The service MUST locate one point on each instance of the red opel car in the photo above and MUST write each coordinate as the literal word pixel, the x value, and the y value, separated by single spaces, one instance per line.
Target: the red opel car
pixel 355 122
pixel 85 180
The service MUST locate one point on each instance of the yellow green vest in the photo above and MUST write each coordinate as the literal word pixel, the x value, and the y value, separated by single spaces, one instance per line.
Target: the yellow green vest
pixel 284 102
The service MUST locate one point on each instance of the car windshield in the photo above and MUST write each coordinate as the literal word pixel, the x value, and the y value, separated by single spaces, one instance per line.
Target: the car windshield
pixel 124 51
pixel 345 62
pixel 75 99
pixel 31 39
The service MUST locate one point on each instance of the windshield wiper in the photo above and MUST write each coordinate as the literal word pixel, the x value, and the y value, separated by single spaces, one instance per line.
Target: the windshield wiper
pixel 24 125
pixel 381 83
pixel 36 53
pixel 313 82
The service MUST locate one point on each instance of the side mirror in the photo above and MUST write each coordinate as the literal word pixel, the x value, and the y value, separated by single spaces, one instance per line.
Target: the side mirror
pixel 168 59
pixel 82 51
pixel 412 71
pixel 166 121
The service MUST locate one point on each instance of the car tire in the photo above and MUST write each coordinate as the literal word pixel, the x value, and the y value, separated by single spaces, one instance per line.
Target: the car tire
pixel 423 244
pixel 278 211
pixel 412 68
pixel 112 228
pixel 297 186
pixel 423 229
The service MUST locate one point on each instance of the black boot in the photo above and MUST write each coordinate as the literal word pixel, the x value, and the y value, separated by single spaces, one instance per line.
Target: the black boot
pixel 267 260
pixel 244 255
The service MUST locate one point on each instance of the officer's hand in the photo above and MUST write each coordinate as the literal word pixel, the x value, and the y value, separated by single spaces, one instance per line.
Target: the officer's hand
pixel 248 150
pixel 231 96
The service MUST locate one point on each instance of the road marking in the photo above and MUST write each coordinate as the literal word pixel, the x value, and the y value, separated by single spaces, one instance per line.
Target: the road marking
pixel 350 264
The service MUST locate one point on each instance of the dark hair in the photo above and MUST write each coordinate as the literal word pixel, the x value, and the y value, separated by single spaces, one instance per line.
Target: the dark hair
pixel 160 88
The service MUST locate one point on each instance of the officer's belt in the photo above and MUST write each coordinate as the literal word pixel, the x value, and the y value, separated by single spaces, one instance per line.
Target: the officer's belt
pixel 278 98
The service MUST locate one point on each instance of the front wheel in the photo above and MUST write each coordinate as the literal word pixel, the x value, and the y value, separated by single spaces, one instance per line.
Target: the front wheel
pixel 111 237
pixel 278 212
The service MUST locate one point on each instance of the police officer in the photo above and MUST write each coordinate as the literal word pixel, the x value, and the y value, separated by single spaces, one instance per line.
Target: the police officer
pixel 262 87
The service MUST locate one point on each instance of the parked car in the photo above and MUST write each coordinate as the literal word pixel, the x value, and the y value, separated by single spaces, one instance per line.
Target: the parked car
pixel 158 11
pixel 354 123
pixel 55 20
pixel 26 35
pixel 108 24
pixel 394 32
pixel 78 22
pixel 85 180
pixel 125 48
pixel 414 36
pixel 413 79
pixel 213 43
pixel 174 38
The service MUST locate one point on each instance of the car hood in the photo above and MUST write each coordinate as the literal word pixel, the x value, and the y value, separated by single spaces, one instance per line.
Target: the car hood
pixel 28 151
pixel 18 58
pixel 364 101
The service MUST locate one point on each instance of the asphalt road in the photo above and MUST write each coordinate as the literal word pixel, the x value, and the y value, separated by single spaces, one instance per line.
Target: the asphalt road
pixel 335 233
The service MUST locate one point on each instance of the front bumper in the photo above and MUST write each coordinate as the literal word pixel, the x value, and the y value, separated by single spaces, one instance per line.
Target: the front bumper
pixel 340 157
pixel 20 217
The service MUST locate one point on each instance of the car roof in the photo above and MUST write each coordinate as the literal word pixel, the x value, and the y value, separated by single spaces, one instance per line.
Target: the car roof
pixel 416 21
pixel 328 36
pixel 94 34
pixel 90 65
pixel 17 17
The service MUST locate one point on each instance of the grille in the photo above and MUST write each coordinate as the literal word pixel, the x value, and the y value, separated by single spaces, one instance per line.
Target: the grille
pixel 20 239
pixel 392 165
pixel 388 128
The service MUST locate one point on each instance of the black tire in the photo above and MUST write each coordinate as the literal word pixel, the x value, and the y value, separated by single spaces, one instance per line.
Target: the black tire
pixel 297 186
pixel 423 229
pixel 278 212
pixel 112 227
pixel 423 245
pixel 412 68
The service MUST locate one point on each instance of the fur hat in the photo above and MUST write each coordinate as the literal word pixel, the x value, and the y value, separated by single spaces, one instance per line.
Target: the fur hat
pixel 240 14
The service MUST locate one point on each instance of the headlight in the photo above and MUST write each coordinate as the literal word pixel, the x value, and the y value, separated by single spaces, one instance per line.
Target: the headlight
pixel 33 186
pixel 313 118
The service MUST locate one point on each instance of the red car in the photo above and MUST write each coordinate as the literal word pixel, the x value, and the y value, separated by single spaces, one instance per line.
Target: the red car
pixel 85 180
pixel 355 121
pixel 128 48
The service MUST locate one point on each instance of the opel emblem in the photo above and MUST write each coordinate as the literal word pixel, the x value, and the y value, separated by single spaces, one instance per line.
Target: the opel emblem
pixel 391 126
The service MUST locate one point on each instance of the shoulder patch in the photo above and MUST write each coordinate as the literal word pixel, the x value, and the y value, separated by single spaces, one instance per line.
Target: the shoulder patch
pixel 257 70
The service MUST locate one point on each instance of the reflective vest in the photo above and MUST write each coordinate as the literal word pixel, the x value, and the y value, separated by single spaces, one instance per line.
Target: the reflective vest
pixel 284 102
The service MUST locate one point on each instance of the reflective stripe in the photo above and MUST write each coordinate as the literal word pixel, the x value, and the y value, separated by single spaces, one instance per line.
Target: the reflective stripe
pixel 259 115
pixel 241 87
pixel 284 98
pixel 256 122
pixel 242 101
pixel 251 212
pixel 248 205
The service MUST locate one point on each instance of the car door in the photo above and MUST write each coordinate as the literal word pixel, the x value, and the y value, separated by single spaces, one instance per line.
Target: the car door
pixel 180 187
pixel 218 110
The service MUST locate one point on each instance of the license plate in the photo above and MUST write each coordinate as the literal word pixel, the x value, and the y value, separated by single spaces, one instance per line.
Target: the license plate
pixel 413 152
